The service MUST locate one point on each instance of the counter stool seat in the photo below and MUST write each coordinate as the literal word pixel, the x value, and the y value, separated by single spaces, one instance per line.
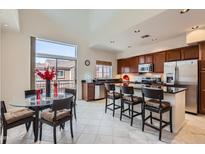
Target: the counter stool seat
pixel 155 105
pixel 136 99
pixel 114 95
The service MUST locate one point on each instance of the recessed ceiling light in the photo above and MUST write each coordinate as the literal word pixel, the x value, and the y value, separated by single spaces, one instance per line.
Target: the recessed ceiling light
pixel 137 31
pixel 112 41
pixel 154 39
pixel 184 11
pixel 5 25
pixel 129 46
pixel 145 36
pixel 195 27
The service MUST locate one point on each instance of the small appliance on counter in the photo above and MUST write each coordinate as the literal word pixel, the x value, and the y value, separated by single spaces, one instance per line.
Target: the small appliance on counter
pixel 145 68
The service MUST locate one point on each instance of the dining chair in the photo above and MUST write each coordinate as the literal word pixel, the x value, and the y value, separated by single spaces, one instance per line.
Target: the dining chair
pixel 73 92
pixel 60 113
pixel 29 93
pixel 11 119
pixel 154 103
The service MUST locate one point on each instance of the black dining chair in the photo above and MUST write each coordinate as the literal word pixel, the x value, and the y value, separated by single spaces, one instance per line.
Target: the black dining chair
pixel 12 119
pixel 155 104
pixel 29 93
pixel 73 92
pixel 131 100
pixel 60 113
pixel 111 94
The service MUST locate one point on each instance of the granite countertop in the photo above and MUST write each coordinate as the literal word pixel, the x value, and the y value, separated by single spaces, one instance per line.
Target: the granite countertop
pixel 166 89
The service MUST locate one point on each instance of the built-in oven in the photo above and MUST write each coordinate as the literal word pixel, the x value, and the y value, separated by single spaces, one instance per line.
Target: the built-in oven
pixel 145 68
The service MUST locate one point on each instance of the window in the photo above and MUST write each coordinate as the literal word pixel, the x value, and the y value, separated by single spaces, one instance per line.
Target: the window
pixel 103 69
pixel 61 56
pixel 61 74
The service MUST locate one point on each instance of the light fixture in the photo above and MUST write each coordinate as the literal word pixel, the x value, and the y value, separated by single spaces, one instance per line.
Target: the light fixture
pixel 154 39
pixel 184 11
pixel 195 27
pixel 5 25
pixel 112 41
pixel 137 31
pixel 145 36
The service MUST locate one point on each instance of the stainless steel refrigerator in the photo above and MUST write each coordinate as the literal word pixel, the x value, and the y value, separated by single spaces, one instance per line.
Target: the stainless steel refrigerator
pixel 186 75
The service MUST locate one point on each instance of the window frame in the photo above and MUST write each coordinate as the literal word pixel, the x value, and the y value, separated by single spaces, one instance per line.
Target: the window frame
pixel 103 73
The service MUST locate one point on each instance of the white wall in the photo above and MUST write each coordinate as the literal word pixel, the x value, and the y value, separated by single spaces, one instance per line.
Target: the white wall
pixel 15 65
pixel 0 62
pixel 16 61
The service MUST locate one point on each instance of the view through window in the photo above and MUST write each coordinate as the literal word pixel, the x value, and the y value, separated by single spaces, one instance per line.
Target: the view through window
pixel 60 56
pixel 103 69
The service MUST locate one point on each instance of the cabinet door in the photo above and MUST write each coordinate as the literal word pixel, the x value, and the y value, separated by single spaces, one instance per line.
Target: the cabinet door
pixel 149 59
pixel 119 66
pixel 202 92
pixel 191 52
pixel 141 59
pixel 133 64
pixel 159 59
pixel 173 55
pixel 91 91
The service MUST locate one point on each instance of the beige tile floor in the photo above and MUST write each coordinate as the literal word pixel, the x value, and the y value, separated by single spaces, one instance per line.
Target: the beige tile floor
pixel 93 126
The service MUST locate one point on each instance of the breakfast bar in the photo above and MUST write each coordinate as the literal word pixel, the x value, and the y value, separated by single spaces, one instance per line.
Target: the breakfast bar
pixel 176 96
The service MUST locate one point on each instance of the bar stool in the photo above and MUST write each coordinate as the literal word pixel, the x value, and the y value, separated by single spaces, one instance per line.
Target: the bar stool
pixel 156 105
pixel 131 101
pixel 113 95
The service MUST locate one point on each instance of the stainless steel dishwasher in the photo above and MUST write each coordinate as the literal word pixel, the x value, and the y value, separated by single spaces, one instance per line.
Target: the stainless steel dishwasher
pixel 99 91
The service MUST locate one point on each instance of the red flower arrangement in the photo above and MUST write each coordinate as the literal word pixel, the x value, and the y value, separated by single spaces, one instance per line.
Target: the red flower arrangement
pixel 48 74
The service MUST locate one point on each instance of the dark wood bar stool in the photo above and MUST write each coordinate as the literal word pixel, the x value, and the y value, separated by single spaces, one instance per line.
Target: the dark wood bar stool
pixel 131 100
pixel 113 95
pixel 155 104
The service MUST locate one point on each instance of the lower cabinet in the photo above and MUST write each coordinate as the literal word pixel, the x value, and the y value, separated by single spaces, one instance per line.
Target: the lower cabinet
pixel 88 91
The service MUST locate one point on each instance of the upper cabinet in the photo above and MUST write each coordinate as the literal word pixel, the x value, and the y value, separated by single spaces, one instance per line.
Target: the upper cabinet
pixel 149 59
pixel 142 59
pixel 159 59
pixel 134 61
pixel 191 52
pixel 173 55
pixel 130 65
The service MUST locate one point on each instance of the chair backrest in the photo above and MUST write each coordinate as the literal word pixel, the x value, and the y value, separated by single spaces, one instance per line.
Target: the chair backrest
pixel 153 93
pixel 3 110
pixel 109 87
pixel 71 91
pixel 29 93
pixel 61 104
pixel 127 90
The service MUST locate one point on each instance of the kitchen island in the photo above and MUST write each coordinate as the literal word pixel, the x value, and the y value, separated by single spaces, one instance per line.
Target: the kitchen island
pixel 174 95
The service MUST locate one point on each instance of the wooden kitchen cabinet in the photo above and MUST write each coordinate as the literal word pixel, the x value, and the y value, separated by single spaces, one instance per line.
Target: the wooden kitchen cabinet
pixel 88 91
pixel 142 59
pixel 173 55
pixel 133 62
pixel 149 59
pixel 159 59
pixel 191 52
pixel 119 66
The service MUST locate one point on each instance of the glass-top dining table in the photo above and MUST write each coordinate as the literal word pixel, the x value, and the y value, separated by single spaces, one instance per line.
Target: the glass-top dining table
pixel 37 105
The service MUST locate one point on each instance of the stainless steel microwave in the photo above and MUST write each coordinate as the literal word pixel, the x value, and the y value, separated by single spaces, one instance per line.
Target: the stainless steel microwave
pixel 145 68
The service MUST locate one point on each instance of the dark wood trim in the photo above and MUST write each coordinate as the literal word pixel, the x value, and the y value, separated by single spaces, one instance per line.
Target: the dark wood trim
pixel 32 62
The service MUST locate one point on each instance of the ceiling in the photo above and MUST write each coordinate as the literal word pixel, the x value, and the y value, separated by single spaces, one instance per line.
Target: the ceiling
pixel 168 24
pixel 111 30
pixel 9 20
